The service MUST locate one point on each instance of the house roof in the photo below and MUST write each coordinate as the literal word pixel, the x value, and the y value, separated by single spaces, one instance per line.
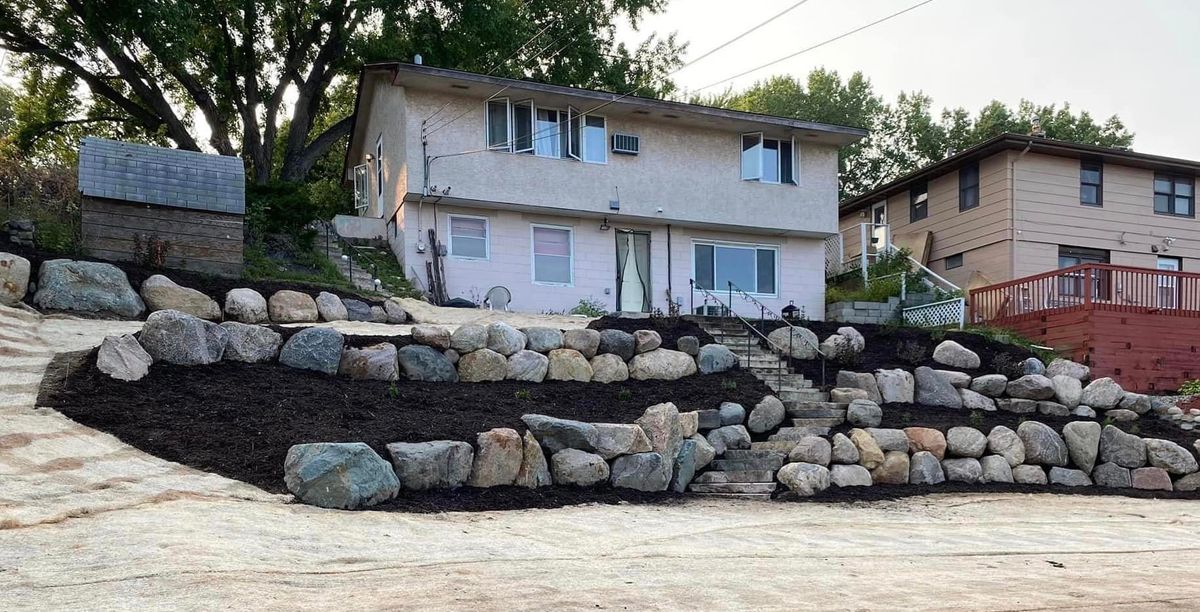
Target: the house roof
pixel 162 176
pixel 1010 141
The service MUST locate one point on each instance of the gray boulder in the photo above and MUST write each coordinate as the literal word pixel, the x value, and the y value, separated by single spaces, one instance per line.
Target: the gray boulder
pixel 843 450
pixel 849 476
pixel 586 341
pixel 1191 482
pixel 246 306
pixel 618 343
pixel 568 364
pixel 1068 477
pixel 731 413
pixel 958 380
pixel 1029 474
pixel 963 469
pixel 1112 475
pixel 482 365
pixel 251 343
pixel 557 434
pixel 811 449
pixel 86 286
pixel 287 306
pixel 889 439
pixel 965 442
pixel 645 340
pixel 766 415
pixel 644 471
pixel 469 337
pixel 661 364
pixel 925 469
pixel 442 464
pixel 804 479
pixel 1138 403
pixel 344 475
pixel 857 342
pixel 122 358
pixel 860 380
pixel 864 413
pixel 431 335
pixel 1043 445
pixel 504 338
pixel 174 337
pixel 527 366
pixel 1066 367
pixel 1083 443
pixel 1033 366
pixel 1084 411
pixel 688 344
pixel 1016 405
pixel 616 439
pixel 705 452
pixel 395 311
pixel 715 358
pixel 1006 443
pixel 1170 456
pixel 895 386
pixel 1102 394
pixel 378 314
pixel 796 342
pixel 1121 415
pixel 358 310
pixel 838 348
pixel 995 469
pixel 933 390
pixel 729 437
pixel 1125 450
pixel 315 348
pixel 684 466
pixel 1031 386
pixel 1052 409
pixel 956 355
pixel 161 293
pixel 542 339
pixel 845 395
pixel 991 385
pixel 976 401
pixel 663 429
pixel 330 307
pixel 498 456
pixel 14 278
pixel 1068 391
pixel 426 363
pixel 608 368
pixel 375 362
pixel 578 468
pixel 535 471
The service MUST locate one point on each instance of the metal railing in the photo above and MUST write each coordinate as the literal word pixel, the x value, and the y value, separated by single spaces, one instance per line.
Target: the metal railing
pixel 781 367
pixel 334 240
pixel 764 311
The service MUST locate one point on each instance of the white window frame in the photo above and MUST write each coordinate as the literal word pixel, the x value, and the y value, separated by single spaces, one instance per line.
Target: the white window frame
pixel 583 140
pixel 740 245
pixel 793 180
pixel 487 236
pixel 487 125
pixel 570 249
pixel 379 170
pixel 512 123
pixel 560 124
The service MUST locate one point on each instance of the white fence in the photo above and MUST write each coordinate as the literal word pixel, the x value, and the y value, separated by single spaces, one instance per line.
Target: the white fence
pixel 937 314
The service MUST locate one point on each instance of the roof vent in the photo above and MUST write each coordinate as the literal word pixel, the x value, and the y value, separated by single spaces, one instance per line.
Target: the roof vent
pixel 627 144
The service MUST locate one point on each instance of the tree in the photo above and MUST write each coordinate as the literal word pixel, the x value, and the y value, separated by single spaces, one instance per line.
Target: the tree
pixel 150 65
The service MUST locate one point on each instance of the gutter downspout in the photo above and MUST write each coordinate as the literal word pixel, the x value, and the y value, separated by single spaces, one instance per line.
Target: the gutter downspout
pixel 1012 206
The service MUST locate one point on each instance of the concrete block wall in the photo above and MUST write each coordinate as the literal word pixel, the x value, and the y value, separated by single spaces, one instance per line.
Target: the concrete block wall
pixel 877 313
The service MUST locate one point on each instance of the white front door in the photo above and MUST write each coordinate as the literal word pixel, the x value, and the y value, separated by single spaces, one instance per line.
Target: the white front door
pixel 1168 288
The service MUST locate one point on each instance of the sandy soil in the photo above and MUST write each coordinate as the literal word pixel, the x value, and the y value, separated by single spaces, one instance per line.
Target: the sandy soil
pixel 87 522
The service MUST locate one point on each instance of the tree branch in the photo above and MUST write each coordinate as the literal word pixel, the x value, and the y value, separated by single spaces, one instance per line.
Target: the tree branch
pixel 304 161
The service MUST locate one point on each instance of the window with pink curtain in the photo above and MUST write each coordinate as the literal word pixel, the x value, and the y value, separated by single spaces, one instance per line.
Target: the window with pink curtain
pixel 552 255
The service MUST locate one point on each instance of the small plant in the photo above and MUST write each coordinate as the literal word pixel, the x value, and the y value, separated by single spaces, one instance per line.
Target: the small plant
pixel 1004 363
pixel 1108 420
pixel 976 419
pixel 911 352
pixel 1191 387
pixel 624 395
pixel 523 394
pixel 589 307
pixel 150 251
pixel 393 391
pixel 1134 429
pixel 729 384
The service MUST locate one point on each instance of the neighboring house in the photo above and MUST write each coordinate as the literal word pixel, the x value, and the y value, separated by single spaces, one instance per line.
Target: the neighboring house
pixel 561 194
pixel 162 207
pixel 1015 206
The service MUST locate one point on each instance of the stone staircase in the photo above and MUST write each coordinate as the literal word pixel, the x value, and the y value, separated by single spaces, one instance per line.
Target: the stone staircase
pixel 359 276
pixel 751 472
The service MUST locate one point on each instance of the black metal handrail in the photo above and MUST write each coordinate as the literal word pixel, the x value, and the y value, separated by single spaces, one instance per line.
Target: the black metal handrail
pixel 347 251
pixel 764 311
pixel 779 368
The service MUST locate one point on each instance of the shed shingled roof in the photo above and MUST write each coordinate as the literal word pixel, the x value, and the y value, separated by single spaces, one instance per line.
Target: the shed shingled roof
pixel 166 177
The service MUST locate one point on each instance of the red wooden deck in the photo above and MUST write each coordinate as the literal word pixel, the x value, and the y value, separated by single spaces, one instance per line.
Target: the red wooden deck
pixel 1136 325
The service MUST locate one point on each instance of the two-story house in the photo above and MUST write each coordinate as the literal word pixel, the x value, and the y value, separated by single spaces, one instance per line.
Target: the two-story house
pixel 560 194
pixel 1016 205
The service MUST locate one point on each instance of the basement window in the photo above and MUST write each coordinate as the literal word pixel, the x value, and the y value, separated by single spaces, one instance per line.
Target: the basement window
pixel 751 268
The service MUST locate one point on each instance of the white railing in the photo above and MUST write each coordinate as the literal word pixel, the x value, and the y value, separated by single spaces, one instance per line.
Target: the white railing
pixel 937 314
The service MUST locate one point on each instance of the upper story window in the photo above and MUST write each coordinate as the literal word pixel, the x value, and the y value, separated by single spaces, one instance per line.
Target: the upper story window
pixel 918 202
pixel 968 187
pixel 1091 182
pixel 1174 195
pixel 769 160
pixel 524 127
pixel 468 236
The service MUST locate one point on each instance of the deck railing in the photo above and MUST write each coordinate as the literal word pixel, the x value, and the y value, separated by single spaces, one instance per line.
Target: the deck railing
pixel 1089 287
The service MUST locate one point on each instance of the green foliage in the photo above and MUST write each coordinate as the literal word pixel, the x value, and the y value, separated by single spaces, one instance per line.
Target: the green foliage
pixel 383 266
pixel 884 280
pixel 1191 387
pixel 523 394
pixel 976 419
pixel 589 307
pixel 624 395
pixel 729 384
pixel 46 194
pixel 286 208
pixel 393 391
pixel 305 266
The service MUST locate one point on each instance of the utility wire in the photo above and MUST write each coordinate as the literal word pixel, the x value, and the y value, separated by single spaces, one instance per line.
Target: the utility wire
pixel 745 34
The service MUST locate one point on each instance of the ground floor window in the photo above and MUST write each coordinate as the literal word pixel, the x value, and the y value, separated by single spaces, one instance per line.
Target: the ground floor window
pixel 468 236
pixel 1168 286
pixel 553 254
pixel 751 268
pixel 1072 284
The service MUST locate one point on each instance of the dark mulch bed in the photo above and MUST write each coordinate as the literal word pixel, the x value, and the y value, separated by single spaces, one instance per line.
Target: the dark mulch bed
pixel 213 286
pixel 890 347
pixel 668 327
pixel 239 420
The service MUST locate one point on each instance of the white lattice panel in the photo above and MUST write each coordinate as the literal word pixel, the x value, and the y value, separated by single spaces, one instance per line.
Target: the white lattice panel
pixel 938 314
pixel 833 255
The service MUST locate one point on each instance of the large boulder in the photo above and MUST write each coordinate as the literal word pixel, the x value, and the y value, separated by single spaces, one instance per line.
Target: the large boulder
pixel 925 468
pixel 643 471
pixel 557 434
pixel 1029 474
pixel 965 442
pixel 729 437
pixel 864 413
pixel 849 476
pixel 715 358
pixel 688 344
pixel 860 380
pixel 251 343
pixel 889 439
pixel 991 385
pixel 442 464
pixel 976 401
pixel 1102 394
pixel 1123 449
pixel 358 310
pixel 804 479
pixel 535 471
pixel 498 456
pixel 431 335
pixel 895 386
pixel 1083 443
pixel 731 413
pixel 1151 479
pixel 1032 366
pixel 525 365
pixel 542 339
pixel 956 355
pixel 811 449
pixel 838 348
pixel 617 342
pixel 1043 445
pixel 504 338
pixel 375 362
pixel 893 470
pixel 1068 391
pixel 175 337
pixel 14 278
pixel 1170 456
pixel 482 365
pixel 1066 367
pixel 705 452
pixel 646 340
pixel 963 469
pixel 568 364
pixel 926 439
pixel 766 415
pixel 1016 405
pixel 586 341
pixel 287 306
pixel 246 306
pixel 426 363
pixel 122 358
pixel 395 311
pixel 330 307
pixel 161 293
pixel 1031 386
pixel 579 468
pixel 661 364
pixel 1112 475
pixel 684 467
pixel 1006 443
pixel 1138 403
pixel 86 286
pixel 1069 478
pixel 469 337
pixel 344 475
pixel 608 368
pixel 934 390
pixel 663 429
pixel 857 341
pixel 795 342
pixel 616 439
pixel 843 450
pixel 870 455
pixel 313 348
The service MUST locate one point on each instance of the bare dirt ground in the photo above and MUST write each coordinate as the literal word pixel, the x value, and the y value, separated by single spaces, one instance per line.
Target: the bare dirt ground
pixel 87 522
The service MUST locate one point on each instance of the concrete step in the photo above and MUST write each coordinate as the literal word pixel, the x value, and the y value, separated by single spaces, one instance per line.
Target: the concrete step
pixel 818 422
pixel 735 476
pixel 780 446
pixel 741 465
pixel 788 395
pixel 744 454
pixel 739 488
pixel 796 433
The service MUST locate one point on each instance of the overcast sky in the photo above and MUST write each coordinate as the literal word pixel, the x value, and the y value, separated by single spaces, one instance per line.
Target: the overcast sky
pixel 1137 59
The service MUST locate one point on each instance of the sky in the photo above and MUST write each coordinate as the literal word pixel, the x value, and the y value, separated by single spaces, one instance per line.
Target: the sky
pixel 1136 59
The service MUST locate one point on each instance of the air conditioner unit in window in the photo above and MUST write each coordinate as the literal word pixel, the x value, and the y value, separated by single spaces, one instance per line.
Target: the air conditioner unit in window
pixel 627 144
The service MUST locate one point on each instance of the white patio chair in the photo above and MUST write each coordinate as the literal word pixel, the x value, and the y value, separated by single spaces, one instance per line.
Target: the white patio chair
pixel 497 298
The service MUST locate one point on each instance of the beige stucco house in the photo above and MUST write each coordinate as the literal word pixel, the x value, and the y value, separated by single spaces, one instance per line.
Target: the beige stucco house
pixel 560 194
pixel 1017 205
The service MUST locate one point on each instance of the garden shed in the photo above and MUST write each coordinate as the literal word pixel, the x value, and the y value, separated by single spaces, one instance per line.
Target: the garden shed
pixel 162 207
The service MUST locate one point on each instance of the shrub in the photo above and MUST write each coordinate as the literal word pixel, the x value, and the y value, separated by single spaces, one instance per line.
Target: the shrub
pixel 589 307
pixel 523 394
pixel 1191 387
